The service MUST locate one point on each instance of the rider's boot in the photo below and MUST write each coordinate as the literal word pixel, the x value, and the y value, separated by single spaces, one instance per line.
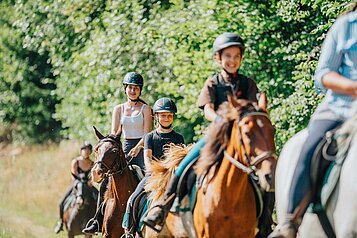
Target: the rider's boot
pixel 59 226
pixel 157 215
pixel 95 224
pixel 287 229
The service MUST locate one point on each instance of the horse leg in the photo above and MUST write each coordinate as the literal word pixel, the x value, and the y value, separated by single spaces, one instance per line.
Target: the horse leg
pixel 87 236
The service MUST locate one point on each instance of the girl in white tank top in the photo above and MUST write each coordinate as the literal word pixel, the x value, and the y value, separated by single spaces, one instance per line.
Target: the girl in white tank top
pixel 133 119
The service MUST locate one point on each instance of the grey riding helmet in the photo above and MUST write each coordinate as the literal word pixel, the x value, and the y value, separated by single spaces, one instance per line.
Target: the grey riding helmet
pixel 228 39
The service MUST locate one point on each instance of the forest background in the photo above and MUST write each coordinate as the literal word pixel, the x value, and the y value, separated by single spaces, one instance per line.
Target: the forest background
pixel 62 61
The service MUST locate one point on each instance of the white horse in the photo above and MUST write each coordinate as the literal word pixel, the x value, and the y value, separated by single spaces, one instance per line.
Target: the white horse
pixel 342 206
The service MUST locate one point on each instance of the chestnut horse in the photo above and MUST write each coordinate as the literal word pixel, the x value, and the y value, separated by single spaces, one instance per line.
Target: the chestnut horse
pixel 110 162
pixel 82 208
pixel 161 172
pixel 240 146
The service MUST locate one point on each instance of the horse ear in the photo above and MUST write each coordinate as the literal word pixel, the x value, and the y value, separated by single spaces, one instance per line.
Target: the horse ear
pixel 232 100
pixel 98 134
pixel 263 101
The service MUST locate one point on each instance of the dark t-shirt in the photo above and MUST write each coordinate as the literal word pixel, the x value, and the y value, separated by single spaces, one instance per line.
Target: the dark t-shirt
pixel 243 90
pixel 156 141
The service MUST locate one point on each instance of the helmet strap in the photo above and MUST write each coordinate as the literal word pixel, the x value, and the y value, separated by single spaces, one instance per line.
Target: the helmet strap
pixel 230 75
pixel 165 127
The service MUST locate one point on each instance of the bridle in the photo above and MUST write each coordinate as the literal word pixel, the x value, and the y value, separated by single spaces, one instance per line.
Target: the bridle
pixel 251 166
pixel 116 167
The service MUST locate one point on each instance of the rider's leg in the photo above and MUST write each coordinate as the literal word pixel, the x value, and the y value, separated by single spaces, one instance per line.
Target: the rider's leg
pixel 59 226
pixel 156 217
pixel 127 220
pixel 300 190
pixel 97 221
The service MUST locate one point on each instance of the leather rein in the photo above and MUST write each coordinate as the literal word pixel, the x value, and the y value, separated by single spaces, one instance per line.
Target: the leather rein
pixel 252 165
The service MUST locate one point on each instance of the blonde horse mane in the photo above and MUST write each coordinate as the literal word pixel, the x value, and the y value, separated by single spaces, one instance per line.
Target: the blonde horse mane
pixel 162 170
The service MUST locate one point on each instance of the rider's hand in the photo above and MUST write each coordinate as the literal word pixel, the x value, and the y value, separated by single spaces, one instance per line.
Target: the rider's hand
pixel 134 151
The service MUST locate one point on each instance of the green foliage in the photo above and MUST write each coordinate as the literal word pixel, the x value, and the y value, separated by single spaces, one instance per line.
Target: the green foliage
pixel 79 51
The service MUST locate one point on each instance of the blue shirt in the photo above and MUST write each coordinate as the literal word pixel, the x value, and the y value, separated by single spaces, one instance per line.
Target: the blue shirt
pixel 339 54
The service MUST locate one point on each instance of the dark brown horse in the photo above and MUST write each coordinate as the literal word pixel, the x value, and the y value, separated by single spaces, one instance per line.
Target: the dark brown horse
pixel 241 145
pixel 110 162
pixel 82 208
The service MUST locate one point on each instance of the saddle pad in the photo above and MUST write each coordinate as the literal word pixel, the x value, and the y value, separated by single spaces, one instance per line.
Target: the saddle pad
pixel 69 201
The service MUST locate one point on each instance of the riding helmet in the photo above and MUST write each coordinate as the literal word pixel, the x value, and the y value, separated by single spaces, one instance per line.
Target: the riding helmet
pixel 228 39
pixel 88 145
pixel 133 78
pixel 164 105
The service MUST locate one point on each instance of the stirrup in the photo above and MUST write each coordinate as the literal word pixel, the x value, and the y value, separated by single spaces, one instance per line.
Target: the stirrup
pixel 156 227
pixel 91 222
pixel 127 235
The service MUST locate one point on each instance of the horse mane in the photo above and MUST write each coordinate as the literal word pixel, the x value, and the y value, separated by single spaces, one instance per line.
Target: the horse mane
pixel 162 170
pixel 218 133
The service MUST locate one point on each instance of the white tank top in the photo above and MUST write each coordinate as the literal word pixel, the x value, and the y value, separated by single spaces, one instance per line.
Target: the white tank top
pixel 133 126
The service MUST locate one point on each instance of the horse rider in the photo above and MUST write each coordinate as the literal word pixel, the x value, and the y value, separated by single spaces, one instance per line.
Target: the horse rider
pixel 80 165
pixel 228 51
pixel 155 143
pixel 336 75
pixel 132 119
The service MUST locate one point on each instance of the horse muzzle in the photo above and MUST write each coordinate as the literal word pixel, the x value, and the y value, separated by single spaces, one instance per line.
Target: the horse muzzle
pixel 97 174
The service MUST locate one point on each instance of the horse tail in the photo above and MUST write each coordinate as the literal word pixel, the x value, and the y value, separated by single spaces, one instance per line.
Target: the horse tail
pixel 162 170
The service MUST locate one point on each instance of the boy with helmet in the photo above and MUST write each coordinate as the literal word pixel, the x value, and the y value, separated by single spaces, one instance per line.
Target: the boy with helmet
pixel 228 49
pixel 155 141
pixel 80 165
pixel 133 120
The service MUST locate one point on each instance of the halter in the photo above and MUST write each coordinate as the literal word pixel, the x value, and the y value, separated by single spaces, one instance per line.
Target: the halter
pixel 115 167
pixel 258 159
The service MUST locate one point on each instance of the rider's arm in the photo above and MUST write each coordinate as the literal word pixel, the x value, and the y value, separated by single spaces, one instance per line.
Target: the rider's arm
pixel 148 151
pixel 74 165
pixel 116 128
pixel 209 112
pixel 339 84
pixel 147 159
pixel 326 75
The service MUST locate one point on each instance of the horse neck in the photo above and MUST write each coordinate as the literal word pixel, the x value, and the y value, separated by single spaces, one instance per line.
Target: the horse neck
pixel 228 175
pixel 123 185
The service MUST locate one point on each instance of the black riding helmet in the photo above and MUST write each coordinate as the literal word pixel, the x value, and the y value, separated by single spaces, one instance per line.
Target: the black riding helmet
pixel 88 145
pixel 164 105
pixel 226 40
pixel 133 78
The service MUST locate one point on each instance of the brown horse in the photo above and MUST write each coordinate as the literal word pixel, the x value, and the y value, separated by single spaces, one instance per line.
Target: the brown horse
pixel 226 201
pixel 82 208
pixel 110 162
pixel 238 147
pixel 161 172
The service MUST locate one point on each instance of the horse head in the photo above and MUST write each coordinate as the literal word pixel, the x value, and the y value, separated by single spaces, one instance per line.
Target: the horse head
pixel 109 157
pixel 253 138
pixel 81 189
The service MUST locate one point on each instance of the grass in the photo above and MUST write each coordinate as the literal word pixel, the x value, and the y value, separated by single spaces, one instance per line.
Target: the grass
pixel 32 183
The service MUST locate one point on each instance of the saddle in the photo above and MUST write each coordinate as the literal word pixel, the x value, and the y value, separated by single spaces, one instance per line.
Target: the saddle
pixel 326 167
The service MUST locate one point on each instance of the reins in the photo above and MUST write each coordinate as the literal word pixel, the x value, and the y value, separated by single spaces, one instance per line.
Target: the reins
pixel 251 167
